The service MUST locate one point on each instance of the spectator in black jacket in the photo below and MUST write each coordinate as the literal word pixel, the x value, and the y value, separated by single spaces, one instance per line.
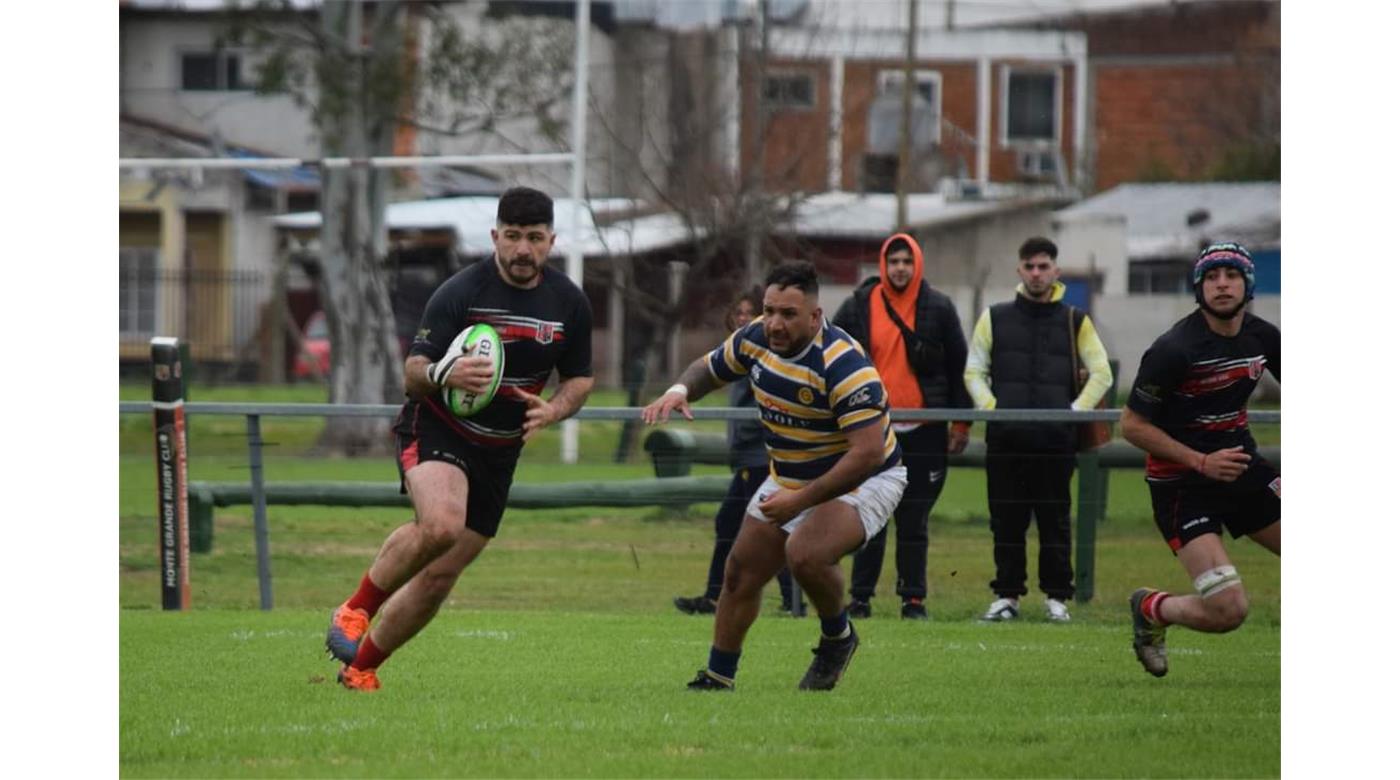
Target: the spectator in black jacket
pixel 913 337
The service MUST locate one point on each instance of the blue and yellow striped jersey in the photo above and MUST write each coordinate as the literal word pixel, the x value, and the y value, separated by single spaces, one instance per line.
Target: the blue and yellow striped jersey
pixel 808 401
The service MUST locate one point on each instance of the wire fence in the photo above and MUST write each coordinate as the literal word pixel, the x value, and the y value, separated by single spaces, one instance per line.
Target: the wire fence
pixel 218 313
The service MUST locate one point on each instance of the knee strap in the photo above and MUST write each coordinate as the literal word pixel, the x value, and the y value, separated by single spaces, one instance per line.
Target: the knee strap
pixel 1216 580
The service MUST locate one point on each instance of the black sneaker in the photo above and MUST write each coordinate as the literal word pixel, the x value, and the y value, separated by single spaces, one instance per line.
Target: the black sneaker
pixel 858 608
pixel 913 609
pixel 704 681
pixel 832 657
pixel 699 605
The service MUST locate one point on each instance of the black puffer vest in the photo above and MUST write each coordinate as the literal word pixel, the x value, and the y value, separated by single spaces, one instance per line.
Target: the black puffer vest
pixel 1032 369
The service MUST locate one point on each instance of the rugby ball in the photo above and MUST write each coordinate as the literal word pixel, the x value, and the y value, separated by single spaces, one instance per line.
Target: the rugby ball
pixel 478 339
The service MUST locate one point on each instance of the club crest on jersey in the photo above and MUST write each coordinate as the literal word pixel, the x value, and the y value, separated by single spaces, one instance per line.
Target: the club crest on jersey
pixel 1256 368
pixel 804 395
pixel 544 332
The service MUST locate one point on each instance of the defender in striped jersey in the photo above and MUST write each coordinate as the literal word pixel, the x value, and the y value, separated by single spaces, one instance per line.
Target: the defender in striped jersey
pixel 1187 410
pixel 835 474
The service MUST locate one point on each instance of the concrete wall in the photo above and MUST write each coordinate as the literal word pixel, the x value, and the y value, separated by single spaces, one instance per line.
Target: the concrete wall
pixel 150 50
pixel 1095 244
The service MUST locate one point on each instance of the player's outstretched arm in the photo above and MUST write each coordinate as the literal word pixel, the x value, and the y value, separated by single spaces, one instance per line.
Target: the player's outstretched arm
pixel 694 383
pixel 1225 465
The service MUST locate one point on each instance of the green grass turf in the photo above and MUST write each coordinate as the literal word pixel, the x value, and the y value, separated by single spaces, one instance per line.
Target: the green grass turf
pixel 587 694
pixel 559 653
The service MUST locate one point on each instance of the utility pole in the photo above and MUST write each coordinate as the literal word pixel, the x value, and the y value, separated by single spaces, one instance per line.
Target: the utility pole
pixel 755 220
pixel 901 187
pixel 948 15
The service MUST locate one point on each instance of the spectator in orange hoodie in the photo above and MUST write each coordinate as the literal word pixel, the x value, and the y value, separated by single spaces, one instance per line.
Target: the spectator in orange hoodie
pixel 914 338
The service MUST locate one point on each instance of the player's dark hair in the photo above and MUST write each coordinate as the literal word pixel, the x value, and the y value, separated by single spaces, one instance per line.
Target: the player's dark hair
pixel 525 206
pixel 1039 245
pixel 898 244
pixel 794 273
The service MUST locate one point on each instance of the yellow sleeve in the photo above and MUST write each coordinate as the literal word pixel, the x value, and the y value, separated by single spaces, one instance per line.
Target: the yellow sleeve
pixel 1094 357
pixel 978 374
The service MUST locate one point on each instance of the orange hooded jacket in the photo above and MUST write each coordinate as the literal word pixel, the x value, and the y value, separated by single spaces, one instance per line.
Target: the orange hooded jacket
pixel 886 339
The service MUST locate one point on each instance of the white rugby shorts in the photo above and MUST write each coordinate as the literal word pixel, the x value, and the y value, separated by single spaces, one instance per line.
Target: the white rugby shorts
pixel 874 500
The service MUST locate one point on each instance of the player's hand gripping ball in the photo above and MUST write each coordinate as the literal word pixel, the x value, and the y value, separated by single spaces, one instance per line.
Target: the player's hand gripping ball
pixel 479 339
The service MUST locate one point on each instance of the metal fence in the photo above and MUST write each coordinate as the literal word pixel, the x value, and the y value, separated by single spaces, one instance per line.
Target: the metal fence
pixel 254 412
pixel 218 313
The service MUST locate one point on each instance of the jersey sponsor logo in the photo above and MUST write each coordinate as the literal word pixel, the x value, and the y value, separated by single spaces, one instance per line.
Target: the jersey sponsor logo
pixel 1193 523
pixel 1149 393
pixel 860 397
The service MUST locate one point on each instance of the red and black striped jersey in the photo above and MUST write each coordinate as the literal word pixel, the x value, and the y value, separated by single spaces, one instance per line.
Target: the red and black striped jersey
pixel 1194 384
pixel 544 328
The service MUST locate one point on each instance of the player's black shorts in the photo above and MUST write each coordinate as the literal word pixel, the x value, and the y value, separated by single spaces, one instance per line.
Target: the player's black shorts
pixel 1186 511
pixel 489 470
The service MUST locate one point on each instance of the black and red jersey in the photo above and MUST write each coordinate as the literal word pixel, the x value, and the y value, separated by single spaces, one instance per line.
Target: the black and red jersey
pixel 542 329
pixel 1194 384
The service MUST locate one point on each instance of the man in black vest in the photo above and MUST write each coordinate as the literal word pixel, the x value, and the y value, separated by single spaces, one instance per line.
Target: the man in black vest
pixel 912 335
pixel 1023 356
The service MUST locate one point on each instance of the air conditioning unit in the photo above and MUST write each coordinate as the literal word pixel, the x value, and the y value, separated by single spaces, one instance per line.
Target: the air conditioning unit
pixel 1037 163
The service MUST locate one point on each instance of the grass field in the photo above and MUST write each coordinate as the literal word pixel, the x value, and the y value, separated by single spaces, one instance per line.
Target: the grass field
pixel 559 653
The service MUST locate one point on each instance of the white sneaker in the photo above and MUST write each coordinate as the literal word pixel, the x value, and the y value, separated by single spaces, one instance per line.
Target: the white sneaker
pixel 1003 609
pixel 1056 611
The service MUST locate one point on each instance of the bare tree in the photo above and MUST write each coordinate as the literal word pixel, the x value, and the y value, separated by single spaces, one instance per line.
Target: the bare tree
pixel 357 68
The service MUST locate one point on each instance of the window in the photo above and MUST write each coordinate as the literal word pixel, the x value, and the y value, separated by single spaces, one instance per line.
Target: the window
pixel 790 90
pixel 137 290
pixel 927 107
pixel 215 71
pixel 1031 106
pixel 1165 277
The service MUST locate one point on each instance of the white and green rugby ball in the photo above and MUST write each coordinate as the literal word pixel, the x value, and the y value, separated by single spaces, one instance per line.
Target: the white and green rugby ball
pixel 479 339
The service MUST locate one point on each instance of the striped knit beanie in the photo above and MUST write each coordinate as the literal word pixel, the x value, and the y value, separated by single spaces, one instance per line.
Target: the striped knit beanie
pixel 1226 253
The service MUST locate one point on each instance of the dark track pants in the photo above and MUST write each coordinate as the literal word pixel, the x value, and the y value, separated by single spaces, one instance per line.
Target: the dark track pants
pixel 926 458
pixel 1020 485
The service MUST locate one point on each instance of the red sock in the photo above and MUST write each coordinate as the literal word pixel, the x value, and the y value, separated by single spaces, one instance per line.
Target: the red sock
pixel 1152 607
pixel 369 597
pixel 369 655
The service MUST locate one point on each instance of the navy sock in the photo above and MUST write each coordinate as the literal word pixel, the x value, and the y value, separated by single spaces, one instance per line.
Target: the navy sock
pixel 724 664
pixel 836 627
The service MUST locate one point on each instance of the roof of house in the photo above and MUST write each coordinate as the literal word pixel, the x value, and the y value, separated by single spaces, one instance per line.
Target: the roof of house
pixel 869 216
pixel 872 215
pixel 1156 215
pixel 471 218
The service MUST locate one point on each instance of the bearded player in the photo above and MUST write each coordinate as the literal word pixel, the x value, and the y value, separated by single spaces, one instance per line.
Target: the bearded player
pixel 457 471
